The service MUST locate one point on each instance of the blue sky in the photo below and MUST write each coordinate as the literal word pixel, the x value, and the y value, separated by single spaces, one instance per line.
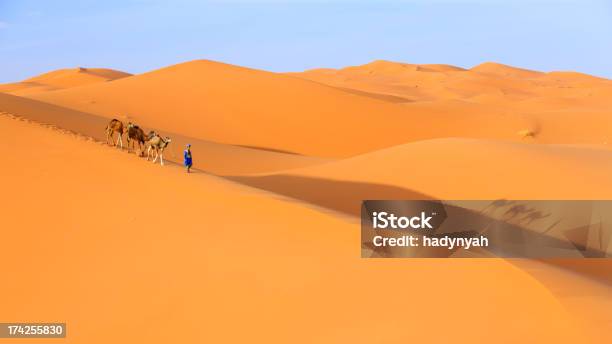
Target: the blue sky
pixel 292 35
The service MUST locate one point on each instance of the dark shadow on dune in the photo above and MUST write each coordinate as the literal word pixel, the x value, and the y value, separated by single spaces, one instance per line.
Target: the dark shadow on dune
pixel 273 150
pixel 342 196
pixel 380 96
pixel 597 269
pixel 346 197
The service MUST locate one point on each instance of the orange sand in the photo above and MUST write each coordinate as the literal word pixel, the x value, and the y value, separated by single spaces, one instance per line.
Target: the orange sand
pixel 233 105
pixel 126 251
pixel 220 158
pixel 62 79
pixel 470 169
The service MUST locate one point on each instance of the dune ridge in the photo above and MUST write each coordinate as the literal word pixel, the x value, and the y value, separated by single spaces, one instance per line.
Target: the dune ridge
pixel 62 79
pixel 446 169
pixel 212 251
pixel 241 106
pixel 443 82
pixel 192 275
pixel 219 158
pixel 493 68
pixel 235 105
pixel 245 107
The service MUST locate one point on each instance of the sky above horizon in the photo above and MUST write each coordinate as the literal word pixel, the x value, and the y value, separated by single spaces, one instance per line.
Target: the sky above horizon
pixel 293 35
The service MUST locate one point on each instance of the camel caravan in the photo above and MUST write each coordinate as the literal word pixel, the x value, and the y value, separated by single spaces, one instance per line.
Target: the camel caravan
pixel 154 143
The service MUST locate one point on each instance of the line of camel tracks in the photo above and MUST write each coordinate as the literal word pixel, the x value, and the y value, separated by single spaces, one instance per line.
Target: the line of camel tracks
pixel 152 141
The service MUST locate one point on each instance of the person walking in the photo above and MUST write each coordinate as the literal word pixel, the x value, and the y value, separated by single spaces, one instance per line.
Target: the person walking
pixel 188 158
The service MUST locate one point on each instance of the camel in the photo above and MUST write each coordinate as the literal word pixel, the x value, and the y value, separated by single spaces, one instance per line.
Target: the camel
pixel 135 133
pixel 115 126
pixel 157 144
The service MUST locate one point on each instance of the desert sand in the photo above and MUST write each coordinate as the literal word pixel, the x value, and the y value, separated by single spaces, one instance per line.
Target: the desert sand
pixel 220 158
pixel 455 168
pixel 62 79
pixel 262 242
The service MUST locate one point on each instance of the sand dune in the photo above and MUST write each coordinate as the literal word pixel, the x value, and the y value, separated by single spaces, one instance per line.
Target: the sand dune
pixel 190 256
pixel 210 156
pixel 62 79
pixel 134 246
pixel 233 105
pixel 442 82
pixel 448 169
pixel 229 104
pixel 269 118
pixel 411 82
pixel 468 169
pixel 498 69
pixel 459 169
pixel 557 107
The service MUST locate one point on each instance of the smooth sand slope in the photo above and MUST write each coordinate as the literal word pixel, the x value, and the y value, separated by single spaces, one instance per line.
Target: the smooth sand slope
pixel 125 251
pixel 455 169
pixel 556 107
pixel 443 82
pixel 62 79
pixel 215 157
pixel 229 104
pixel 233 105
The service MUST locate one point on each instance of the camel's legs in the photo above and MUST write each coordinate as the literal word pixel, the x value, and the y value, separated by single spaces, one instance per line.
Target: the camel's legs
pixel 156 155
pixel 161 158
pixel 120 141
pixel 148 152
pixel 109 138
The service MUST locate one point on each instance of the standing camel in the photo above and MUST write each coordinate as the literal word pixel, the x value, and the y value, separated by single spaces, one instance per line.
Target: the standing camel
pixel 135 133
pixel 157 144
pixel 114 126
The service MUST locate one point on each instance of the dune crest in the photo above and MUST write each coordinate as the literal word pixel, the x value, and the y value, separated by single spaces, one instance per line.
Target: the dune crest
pixel 62 79
pixel 499 69
pixel 445 169
pixel 219 158
pixel 427 82
pixel 242 106
pixel 352 114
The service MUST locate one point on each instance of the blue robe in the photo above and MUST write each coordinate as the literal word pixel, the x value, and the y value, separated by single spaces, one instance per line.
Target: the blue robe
pixel 187 155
